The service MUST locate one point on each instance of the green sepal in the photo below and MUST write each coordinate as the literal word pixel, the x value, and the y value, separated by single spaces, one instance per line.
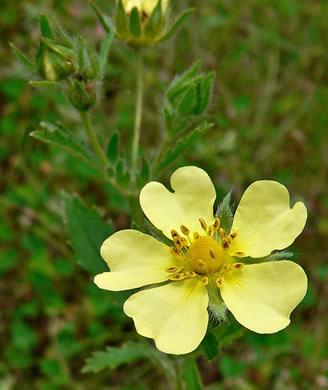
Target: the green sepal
pixel 64 38
pixel 104 21
pixel 83 95
pixel 156 22
pixel 173 29
pixel 135 24
pixel 112 148
pixel 104 50
pixel 23 59
pixel 275 256
pixel 156 233
pixel 88 232
pixel 121 21
pixel 45 28
pixel 224 213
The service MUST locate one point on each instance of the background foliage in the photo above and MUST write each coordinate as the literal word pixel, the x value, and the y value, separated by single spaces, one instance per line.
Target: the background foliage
pixel 270 116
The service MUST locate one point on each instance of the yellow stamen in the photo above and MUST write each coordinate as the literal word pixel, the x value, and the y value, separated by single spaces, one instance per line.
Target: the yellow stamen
pixel 191 274
pixel 184 241
pixel 175 253
pixel 203 224
pixel 237 265
pixel 204 280
pixel 174 234
pixel 210 231
pixel 223 234
pixel 177 277
pixel 239 254
pixel 171 269
pixel 178 242
pixel 225 243
pixel 185 230
pixel 196 236
pixel 233 235
pixel 212 253
pixel 216 224
pixel 219 282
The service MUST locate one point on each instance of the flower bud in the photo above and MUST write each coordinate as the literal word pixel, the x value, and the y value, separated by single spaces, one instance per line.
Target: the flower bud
pixel 145 7
pixel 83 94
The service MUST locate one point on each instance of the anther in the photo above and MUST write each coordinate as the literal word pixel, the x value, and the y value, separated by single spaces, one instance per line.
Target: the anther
pixel 237 265
pixel 216 224
pixel 219 282
pixel 185 230
pixel 184 241
pixel 225 243
pixel 191 274
pixel 210 231
pixel 223 234
pixel 178 242
pixel 174 234
pixel 204 280
pixel 229 239
pixel 203 224
pixel 196 235
pixel 233 235
pixel 171 269
pixel 239 254
pixel 212 253
pixel 177 277
pixel 226 268
pixel 175 253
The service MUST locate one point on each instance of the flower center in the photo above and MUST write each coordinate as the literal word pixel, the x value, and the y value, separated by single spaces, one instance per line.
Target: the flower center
pixel 206 255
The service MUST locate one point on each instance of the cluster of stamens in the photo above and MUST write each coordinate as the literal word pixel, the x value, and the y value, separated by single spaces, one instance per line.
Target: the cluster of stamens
pixel 203 255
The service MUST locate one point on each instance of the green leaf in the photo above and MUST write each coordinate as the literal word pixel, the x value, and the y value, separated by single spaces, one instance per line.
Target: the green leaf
pixel 45 28
pixel 205 92
pixel 113 357
pixel 190 374
pixel 112 148
pixel 105 22
pixel 211 346
pixel 182 144
pixel 88 232
pixel 188 101
pixel 135 25
pixel 60 136
pixel 122 174
pixel 181 82
pixel 173 29
pixel 104 50
pixel 224 213
pixel 44 84
pixel 121 20
pixel 23 59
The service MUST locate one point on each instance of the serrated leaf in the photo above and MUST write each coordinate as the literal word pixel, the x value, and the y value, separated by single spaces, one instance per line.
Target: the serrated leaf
pixel 224 213
pixel 190 374
pixel 60 136
pixel 181 82
pixel 135 24
pixel 23 59
pixel 44 84
pixel 112 148
pixel 105 22
pixel 181 145
pixel 173 29
pixel 205 91
pixel 88 232
pixel 45 27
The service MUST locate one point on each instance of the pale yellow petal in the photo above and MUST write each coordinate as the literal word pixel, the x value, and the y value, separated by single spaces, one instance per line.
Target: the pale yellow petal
pixel 262 296
pixel 264 220
pixel 135 260
pixel 193 198
pixel 174 315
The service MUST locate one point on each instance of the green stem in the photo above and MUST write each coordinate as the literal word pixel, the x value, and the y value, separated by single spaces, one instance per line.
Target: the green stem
pixel 93 139
pixel 138 113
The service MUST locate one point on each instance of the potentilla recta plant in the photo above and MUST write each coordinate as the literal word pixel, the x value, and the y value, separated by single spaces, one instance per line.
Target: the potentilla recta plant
pixel 195 266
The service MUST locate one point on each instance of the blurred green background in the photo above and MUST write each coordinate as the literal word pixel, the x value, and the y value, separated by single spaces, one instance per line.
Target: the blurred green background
pixel 271 120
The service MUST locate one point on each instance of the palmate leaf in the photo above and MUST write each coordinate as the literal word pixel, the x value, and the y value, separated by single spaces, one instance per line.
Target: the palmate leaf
pixel 181 145
pixel 88 232
pixel 60 136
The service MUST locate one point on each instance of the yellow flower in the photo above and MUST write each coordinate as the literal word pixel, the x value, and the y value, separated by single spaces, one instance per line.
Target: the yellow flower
pixel 204 259
pixel 145 7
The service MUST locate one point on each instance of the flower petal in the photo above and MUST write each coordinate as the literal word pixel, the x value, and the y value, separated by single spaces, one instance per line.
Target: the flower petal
pixel 193 198
pixel 174 315
pixel 262 296
pixel 135 260
pixel 264 220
